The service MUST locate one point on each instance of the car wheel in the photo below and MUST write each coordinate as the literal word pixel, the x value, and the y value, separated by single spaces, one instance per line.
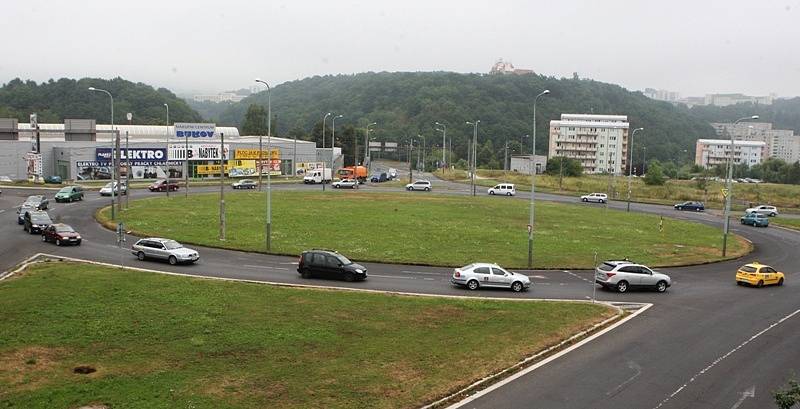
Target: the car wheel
pixel 305 274
pixel 602 201
pixel 140 256
pixel 622 286
pixel 409 189
pixel 44 238
pixel 772 215
pixel 780 281
pixel 760 283
pixel 661 286
pixel 473 284
pixel 508 194
pixel 491 193
pixel 349 277
pixel 516 286
pixel 738 283
pixel 584 199
pixel 427 189
pixel 58 242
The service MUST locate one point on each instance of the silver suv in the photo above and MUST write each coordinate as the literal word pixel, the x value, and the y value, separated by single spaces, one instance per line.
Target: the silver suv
pixel 478 275
pixel 624 275
pixel 164 249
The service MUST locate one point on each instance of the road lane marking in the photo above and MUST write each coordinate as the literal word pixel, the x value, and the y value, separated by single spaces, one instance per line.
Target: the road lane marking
pixel 749 393
pixel 399 277
pixel 638 371
pixel 577 276
pixel 421 272
pixel 729 353
pixel 264 267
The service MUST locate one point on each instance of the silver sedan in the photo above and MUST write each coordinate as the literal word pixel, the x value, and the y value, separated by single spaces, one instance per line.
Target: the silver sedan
pixel 478 275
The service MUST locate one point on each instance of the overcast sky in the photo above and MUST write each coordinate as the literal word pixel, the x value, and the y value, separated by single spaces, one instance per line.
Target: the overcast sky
pixel 693 47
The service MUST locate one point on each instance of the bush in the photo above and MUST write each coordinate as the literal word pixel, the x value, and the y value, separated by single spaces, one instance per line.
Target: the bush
pixel 571 167
pixel 655 175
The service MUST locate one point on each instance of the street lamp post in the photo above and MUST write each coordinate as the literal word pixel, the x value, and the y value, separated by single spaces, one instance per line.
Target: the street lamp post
pixel 367 153
pixel 729 186
pixel 630 166
pixel 269 165
pixel 474 163
pixel 333 139
pixel 423 152
pixel 166 168
pixel 533 180
pixel 113 215
pixel 323 147
pixel 128 161
pixel 444 142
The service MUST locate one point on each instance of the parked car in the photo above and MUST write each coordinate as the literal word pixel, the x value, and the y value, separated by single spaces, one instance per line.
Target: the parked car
pixel 694 206
pixel 53 179
pixel 476 275
pixel 329 264
pixel 119 189
pixel 69 194
pixel 770 211
pixel 392 173
pixel 595 197
pixel 61 234
pixel 36 221
pixel 625 275
pixel 506 189
pixel 759 275
pixel 379 177
pixel 345 184
pixel 419 185
pixel 163 249
pixel 38 201
pixel 25 208
pixel 161 186
pixel 244 184
pixel 755 219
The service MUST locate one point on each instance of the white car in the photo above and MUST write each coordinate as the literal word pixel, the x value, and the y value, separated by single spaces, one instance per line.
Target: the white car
pixel 478 275
pixel 595 197
pixel 770 211
pixel 624 275
pixel 121 189
pixel 344 183
pixel 419 185
pixel 506 189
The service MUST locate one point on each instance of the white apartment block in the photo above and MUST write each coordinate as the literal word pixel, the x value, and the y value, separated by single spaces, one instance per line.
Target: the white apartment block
pixel 599 142
pixel 782 144
pixel 722 100
pixel 712 152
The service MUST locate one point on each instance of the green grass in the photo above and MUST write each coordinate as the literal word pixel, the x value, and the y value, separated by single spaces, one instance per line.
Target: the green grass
pixel 419 227
pixel 786 197
pixel 161 341
pixel 793 223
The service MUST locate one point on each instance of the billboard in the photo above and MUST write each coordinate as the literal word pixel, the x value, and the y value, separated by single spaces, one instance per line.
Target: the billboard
pixel 102 170
pixel 33 163
pixel 197 151
pixel 190 130
pixel 304 167
pixel 137 156
pixel 253 154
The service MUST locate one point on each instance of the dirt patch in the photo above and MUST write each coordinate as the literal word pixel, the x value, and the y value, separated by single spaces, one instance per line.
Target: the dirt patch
pixel 84 370
pixel 239 389
pixel 31 366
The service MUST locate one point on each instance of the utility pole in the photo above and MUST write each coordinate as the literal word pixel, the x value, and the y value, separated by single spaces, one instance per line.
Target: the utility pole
pixel 166 168
pixel 533 181
pixel 119 173
pixel 630 166
pixel 186 165
pixel 474 164
pixel 729 188
pixel 128 160
pixel 221 186
pixel 323 147
pixel 410 154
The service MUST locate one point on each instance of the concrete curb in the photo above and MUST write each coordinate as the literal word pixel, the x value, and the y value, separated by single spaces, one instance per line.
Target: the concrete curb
pixel 29 187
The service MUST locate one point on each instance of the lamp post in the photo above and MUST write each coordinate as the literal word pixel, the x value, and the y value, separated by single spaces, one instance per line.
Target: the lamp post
pixel 333 139
pixel 423 152
pixel 533 179
pixel 166 168
pixel 728 186
pixel 473 152
pixel 630 166
pixel 128 161
pixel 444 142
pixel 113 194
pixel 323 147
pixel 269 164
pixel 367 154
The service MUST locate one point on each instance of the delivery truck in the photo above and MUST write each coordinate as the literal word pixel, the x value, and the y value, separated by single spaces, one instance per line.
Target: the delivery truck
pixel 353 172
pixel 318 175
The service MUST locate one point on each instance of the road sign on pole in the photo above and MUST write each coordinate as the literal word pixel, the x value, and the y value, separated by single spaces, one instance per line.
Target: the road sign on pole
pixel 530 228
pixel 724 192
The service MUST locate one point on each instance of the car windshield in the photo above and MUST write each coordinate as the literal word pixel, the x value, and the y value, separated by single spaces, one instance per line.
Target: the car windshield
pixel 108 185
pixel 65 190
pixel 606 267
pixel 172 245
pixel 343 259
pixel 40 219
pixel 64 229
pixel 748 269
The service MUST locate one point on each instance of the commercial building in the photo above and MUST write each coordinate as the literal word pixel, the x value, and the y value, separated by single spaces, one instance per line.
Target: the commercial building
pixel 722 100
pixel 713 152
pixel 598 142
pixel 81 150
pixel 525 163
pixel 781 143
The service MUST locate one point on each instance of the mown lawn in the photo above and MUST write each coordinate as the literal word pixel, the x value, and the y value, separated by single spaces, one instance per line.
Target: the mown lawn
pixel 425 228
pixel 792 223
pixel 158 341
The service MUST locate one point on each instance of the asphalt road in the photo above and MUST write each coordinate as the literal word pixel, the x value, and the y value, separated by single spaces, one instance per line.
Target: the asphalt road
pixel 706 343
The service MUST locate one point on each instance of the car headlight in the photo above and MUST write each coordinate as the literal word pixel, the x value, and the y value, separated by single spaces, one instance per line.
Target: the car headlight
pixel 359 271
pixel 35 226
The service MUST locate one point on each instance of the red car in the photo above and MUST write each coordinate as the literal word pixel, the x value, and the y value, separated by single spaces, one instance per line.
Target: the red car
pixel 61 234
pixel 161 185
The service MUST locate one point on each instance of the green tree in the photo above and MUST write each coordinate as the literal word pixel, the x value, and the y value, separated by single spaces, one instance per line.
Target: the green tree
pixel 255 122
pixel 787 398
pixel 655 174
pixel 562 166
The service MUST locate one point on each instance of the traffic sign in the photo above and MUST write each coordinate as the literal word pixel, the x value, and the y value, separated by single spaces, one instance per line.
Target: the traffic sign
pixel 530 228
pixel 725 192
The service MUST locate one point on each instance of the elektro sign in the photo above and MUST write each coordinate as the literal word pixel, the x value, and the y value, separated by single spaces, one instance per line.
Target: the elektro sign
pixel 132 154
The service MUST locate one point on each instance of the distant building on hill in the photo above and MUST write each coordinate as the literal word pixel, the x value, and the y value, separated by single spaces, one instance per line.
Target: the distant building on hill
pixel 722 100
pixel 713 152
pixel 506 67
pixel 780 143
pixel 598 142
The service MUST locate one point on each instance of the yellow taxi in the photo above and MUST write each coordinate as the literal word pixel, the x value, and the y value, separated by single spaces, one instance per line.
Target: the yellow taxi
pixel 758 274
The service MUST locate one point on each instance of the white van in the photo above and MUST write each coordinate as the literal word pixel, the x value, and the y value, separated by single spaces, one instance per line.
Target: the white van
pixel 503 189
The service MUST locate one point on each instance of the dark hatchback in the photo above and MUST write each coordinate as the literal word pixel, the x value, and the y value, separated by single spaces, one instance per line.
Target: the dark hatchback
pixel 329 264
pixel 693 206
pixel 36 221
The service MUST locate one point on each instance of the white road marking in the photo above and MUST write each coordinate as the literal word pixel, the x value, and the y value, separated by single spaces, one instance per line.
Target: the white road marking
pixel 749 393
pixel 402 278
pixel 294 263
pixel 2 210
pixel 577 276
pixel 729 353
pixel 636 368
pixel 539 277
pixel 420 272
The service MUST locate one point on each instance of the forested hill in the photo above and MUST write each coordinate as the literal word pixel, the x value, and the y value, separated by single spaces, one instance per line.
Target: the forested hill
pixel 407 104
pixel 783 113
pixel 54 101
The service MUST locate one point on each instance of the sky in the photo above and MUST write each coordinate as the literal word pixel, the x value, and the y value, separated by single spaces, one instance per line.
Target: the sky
pixel 200 46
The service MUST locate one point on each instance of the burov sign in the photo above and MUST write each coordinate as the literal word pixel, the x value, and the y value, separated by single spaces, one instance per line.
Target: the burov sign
pixel 190 130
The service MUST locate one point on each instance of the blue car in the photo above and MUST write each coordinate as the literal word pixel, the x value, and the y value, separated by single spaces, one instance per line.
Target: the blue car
pixel 755 219
pixel 693 206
